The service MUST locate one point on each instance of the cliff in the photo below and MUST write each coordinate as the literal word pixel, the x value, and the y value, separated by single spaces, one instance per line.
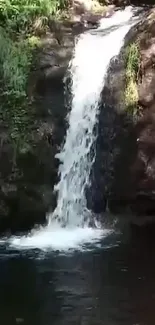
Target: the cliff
pixel 127 125
pixel 123 175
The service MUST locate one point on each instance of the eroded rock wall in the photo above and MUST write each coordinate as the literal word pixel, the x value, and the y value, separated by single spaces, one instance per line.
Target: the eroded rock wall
pixel 126 142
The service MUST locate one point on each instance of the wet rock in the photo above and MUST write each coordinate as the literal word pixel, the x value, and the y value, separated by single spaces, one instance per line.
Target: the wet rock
pixel 126 145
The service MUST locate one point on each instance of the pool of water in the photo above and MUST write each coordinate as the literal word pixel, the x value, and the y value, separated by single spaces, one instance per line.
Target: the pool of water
pixel 113 284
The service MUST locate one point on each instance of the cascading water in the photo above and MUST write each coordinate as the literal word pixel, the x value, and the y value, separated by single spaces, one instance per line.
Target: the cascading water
pixel 88 68
pixel 93 53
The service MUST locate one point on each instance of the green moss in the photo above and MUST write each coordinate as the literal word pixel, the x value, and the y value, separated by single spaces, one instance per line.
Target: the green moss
pixel 132 61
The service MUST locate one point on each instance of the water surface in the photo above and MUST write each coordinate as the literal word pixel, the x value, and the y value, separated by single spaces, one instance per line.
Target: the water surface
pixel 110 285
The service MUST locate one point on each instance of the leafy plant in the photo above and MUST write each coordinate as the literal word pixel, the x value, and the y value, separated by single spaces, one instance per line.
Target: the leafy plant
pixel 132 58
pixel 20 14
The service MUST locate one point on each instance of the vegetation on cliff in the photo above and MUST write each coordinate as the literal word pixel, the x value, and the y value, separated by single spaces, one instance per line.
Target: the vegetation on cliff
pixel 132 63
pixel 21 24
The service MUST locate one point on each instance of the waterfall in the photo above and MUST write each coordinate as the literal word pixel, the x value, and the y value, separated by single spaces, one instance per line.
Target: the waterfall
pixel 88 68
pixel 93 53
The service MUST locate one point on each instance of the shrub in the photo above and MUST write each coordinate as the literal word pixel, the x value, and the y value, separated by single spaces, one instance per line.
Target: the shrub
pixel 20 14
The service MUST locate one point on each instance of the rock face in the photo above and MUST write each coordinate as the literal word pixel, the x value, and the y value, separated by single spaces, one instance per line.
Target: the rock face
pixel 26 182
pixel 126 146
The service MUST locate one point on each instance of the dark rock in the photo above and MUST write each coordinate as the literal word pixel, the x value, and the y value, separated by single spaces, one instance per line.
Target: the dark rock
pixel 27 178
pixel 126 146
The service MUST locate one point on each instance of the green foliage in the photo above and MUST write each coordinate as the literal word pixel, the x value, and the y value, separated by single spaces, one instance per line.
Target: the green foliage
pixel 20 14
pixel 20 22
pixel 15 63
pixel 132 60
pixel 15 60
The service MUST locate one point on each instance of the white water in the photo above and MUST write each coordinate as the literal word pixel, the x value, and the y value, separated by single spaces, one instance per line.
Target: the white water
pixel 92 56
pixel 88 68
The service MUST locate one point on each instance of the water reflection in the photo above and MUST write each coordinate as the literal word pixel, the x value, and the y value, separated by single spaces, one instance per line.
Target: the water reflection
pixel 114 286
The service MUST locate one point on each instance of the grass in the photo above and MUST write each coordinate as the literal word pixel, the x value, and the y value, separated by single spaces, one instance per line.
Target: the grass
pixel 15 64
pixel 15 59
pixel 21 14
pixel 132 61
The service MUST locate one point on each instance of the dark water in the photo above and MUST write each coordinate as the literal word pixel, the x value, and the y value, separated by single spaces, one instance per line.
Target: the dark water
pixel 113 285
